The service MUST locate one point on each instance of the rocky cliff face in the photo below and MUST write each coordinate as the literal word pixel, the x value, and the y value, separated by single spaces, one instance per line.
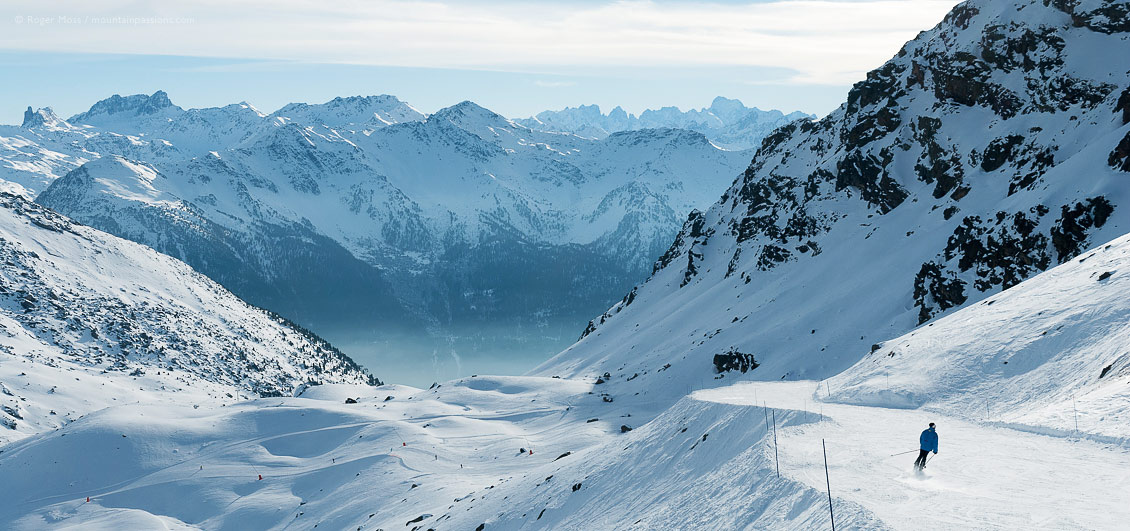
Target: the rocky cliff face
pixel 990 148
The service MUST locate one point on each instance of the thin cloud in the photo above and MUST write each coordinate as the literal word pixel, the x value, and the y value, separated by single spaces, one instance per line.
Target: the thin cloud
pixel 826 42
pixel 554 84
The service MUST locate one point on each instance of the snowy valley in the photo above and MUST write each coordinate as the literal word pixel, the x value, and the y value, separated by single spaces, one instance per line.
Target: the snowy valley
pixel 460 235
pixel 950 245
pixel 541 452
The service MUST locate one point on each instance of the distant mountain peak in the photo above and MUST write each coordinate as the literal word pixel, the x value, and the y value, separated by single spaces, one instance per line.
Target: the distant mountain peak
pixel 730 110
pixel 134 105
pixel 468 114
pixel 242 106
pixel 40 118
pixel 352 111
pixel 466 108
pixel 724 101
pixel 727 122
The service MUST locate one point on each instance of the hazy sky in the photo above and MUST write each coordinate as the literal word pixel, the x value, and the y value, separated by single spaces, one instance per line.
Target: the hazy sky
pixel 514 57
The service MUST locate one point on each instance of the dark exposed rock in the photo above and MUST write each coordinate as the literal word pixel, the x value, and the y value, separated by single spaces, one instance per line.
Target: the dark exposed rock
pixel 867 173
pixel 1103 17
pixel 1029 161
pixel 1105 275
pixel 778 137
pixel 999 151
pixel 1014 47
pixel 1038 160
pixel 964 80
pixel 350 401
pixel 961 15
pixel 733 360
pixel 935 291
pixel 771 255
pixel 12 411
pixel 881 85
pixel 1124 106
pixel 1069 234
pixel 873 126
pixel 770 201
pixel 1064 91
pixel 936 164
pixel 589 328
pixel 1001 252
pixel 692 229
pixel 1120 157
pixel 625 428
pixel 576 487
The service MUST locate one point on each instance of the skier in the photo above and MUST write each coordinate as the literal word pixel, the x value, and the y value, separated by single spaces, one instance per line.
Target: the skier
pixel 927 442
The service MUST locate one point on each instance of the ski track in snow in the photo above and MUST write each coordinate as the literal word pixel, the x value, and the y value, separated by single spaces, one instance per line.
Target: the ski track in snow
pixel 703 463
pixel 984 477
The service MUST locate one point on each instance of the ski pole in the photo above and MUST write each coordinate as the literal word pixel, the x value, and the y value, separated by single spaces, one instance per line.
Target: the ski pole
pixel 928 459
pixel 904 453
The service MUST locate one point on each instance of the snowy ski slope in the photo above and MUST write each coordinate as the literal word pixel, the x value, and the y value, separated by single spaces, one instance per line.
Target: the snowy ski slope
pixel 564 453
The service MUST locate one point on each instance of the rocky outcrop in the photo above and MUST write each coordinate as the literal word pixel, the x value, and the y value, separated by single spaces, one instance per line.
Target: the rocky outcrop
pixel 963 166
pixel 733 360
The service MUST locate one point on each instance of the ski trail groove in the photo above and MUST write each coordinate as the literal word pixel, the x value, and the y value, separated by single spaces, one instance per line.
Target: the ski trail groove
pixel 984 476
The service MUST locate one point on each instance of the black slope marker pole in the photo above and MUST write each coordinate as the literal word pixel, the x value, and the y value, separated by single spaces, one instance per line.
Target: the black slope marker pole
pixel 1076 411
pixel 775 458
pixel 829 481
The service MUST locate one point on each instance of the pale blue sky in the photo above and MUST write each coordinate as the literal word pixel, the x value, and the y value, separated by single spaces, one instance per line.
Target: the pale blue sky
pixel 516 58
pixel 70 83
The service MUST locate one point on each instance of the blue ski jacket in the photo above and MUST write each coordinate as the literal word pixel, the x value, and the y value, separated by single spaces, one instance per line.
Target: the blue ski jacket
pixel 928 440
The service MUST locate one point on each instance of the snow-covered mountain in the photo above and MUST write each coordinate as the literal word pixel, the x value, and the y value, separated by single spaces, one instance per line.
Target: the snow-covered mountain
pixel 355 113
pixel 990 148
pixel 490 238
pixel 88 320
pixel 563 453
pixel 1032 356
pixel 840 253
pixel 726 122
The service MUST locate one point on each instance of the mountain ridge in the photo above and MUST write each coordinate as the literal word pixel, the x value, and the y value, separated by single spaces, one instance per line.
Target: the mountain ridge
pixel 727 122
pixel 421 215
pixel 74 299
pixel 984 152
